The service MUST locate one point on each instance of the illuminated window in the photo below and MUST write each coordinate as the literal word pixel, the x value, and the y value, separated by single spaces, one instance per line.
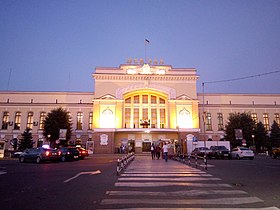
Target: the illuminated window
pixel 254 117
pixel 5 120
pixel 208 122
pixel 154 117
pixel 136 99
pixel 220 122
pixel 128 100
pixel 266 121
pixel 79 121
pixel 17 121
pixel 144 99
pixel 153 99
pixel 184 119
pixel 29 120
pixel 90 121
pixel 127 117
pixel 146 110
pixel 277 118
pixel 136 118
pixel 42 120
pixel 107 119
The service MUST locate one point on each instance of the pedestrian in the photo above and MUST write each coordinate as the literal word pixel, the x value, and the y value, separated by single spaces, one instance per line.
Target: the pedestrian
pixel 158 149
pixel 165 151
pixel 153 151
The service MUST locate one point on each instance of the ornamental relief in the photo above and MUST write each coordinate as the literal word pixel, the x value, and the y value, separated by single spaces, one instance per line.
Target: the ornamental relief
pixel 171 93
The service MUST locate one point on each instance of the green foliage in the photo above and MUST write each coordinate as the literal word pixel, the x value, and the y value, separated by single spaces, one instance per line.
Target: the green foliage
pixel 260 137
pixel 25 141
pixel 241 121
pixel 55 120
pixel 275 135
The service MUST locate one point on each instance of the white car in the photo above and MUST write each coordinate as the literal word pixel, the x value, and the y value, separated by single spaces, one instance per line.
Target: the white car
pixel 242 152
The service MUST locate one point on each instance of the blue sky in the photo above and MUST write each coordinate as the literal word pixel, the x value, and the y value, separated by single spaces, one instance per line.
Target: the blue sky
pixel 54 45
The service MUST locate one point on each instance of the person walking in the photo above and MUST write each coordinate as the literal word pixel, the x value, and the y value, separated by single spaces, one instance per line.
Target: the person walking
pixel 165 151
pixel 153 152
pixel 158 149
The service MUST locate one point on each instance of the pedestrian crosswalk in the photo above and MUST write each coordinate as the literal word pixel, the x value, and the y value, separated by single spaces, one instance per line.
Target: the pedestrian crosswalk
pixel 154 184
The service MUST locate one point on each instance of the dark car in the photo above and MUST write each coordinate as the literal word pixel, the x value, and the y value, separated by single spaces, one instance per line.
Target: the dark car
pixel 219 152
pixel 38 155
pixel 200 151
pixel 68 153
pixel 82 153
pixel 275 152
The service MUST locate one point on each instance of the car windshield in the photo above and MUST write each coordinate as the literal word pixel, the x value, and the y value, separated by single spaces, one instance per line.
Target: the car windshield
pixel 243 148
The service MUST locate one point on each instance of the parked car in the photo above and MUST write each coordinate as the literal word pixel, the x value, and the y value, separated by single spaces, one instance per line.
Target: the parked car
pixel 68 153
pixel 82 153
pixel 219 152
pixel 275 152
pixel 16 154
pixel 242 152
pixel 38 155
pixel 200 151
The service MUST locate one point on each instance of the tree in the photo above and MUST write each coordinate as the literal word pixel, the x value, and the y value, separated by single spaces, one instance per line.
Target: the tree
pixel 55 120
pixel 274 135
pixel 260 136
pixel 26 140
pixel 241 121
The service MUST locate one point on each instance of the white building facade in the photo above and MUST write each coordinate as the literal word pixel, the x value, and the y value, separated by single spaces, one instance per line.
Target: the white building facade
pixel 134 105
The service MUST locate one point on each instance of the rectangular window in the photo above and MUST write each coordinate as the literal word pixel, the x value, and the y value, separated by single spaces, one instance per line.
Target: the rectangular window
pixel 136 117
pixel 153 99
pixel 128 100
pixel 254 117
pixel 277 118
pixel 42 120
pixel 154 118
pixel 145 114
pixel 79 121
pixel 90 121
pixel 266 121
pixel 29 120
pixel 127 117
pixel 220 122
pixel 162 118
pixel 5 121
pixel 161 101
pixel 17 121
pixel 144 99
pixel 136 99
pixel 208 122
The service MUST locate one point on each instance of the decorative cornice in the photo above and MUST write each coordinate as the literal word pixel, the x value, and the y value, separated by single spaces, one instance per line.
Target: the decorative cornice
pixel 140 77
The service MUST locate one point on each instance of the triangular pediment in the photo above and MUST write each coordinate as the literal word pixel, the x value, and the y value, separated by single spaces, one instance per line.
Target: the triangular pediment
pixel 183 97
pixel 108 97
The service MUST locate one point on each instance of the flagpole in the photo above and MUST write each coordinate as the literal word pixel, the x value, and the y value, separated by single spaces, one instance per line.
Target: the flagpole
pixel 146 42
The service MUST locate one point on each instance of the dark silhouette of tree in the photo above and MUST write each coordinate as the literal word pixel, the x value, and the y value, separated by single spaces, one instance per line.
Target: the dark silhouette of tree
pixel 241 121
pixel 260 137
pixel 25 141
pixel 55 120
pixel 274 138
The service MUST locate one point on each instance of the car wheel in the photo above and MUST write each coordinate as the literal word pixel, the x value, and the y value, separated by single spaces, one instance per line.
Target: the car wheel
pixel 38 160
pixel 238 157
pixel 63 158
pixel 21 159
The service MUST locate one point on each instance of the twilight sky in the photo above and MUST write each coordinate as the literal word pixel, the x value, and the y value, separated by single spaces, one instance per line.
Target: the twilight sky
pixel 54 45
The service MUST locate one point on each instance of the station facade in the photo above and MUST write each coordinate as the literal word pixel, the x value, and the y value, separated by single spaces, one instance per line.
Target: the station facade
pixel 134 105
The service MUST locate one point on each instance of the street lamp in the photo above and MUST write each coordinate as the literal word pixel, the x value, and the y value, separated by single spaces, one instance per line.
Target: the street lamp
pixel 253 137
pixel 49 136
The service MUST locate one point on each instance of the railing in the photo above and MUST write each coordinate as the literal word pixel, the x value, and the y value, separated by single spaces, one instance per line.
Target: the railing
pixel 124 161
pixel 192 160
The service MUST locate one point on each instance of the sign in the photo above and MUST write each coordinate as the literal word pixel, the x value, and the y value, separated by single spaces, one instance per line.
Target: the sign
pixel 103 139
pixel 62 134
pixel 238 134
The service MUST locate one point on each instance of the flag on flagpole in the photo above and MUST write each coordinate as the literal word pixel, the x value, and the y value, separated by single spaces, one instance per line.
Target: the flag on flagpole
pixel 147 41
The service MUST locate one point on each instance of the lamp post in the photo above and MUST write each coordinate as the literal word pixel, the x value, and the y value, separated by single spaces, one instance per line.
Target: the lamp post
pixel 253 137
pixel 48 139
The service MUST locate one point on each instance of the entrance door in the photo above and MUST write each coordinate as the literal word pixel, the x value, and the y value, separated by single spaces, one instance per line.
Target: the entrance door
pixel 146 146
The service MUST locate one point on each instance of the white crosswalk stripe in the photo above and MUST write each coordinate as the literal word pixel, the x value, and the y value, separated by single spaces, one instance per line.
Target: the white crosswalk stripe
pixel 146 186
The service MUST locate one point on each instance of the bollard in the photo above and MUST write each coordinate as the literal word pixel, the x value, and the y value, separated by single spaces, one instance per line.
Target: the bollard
pixel 205 162
pixel 118 167
pixel 196 160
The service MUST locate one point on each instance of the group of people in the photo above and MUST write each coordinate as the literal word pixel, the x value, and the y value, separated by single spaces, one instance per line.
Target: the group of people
pixel 156 150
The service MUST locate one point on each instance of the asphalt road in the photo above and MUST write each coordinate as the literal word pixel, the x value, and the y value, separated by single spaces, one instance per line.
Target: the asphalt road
pixel 93 182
